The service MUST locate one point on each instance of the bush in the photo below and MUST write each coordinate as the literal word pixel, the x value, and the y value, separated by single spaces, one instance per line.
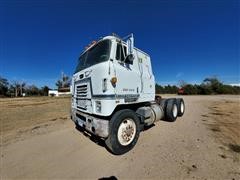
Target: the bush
pixel 209 86
pixel 166 89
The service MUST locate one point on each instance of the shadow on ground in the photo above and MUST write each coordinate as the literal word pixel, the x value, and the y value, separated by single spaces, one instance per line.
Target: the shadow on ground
pixel 97 140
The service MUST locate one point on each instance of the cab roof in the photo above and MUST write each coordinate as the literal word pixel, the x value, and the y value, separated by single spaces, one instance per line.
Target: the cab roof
pixel 112 37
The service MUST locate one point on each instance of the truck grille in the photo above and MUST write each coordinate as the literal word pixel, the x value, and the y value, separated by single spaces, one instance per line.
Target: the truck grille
pixel 83 96
pixel 82 91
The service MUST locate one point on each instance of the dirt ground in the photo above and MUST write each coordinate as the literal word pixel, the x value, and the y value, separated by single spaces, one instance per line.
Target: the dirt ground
pixel 39 141
pixel 21 117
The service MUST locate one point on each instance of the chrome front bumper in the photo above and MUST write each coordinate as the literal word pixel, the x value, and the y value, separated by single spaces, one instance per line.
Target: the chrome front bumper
pixel 96 126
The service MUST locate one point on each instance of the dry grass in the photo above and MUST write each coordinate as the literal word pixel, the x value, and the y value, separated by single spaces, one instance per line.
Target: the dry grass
pixel 225 123
pixel 18 115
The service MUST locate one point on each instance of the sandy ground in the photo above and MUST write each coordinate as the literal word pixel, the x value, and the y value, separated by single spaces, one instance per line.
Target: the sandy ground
pixel 39 141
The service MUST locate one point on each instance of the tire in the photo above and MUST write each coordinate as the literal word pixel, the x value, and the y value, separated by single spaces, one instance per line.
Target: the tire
pixel 158 99
pixel 119 141
pixel 180 106
pixel 171 111
pixel 163 104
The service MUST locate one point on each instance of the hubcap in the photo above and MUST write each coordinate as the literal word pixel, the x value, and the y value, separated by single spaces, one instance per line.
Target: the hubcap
pixel 126 132
pixel 174 110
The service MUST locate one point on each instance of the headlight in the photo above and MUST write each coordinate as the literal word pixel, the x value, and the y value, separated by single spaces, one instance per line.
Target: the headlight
pixel 98 106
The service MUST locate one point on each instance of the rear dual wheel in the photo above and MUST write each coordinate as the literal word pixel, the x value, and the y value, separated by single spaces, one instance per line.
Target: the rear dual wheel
pixel 173 108
pixel 180 106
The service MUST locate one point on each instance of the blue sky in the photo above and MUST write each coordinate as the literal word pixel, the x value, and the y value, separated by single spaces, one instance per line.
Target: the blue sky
pixel 187 40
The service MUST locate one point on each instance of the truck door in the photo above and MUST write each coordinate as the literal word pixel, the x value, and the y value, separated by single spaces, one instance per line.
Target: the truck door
pixel 128 77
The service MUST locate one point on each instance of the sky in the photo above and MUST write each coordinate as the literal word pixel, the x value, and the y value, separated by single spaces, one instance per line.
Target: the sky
pixel 186 40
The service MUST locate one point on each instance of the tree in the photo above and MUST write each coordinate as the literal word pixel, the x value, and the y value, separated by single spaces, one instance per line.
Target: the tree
pixel 59 84
pixel 18 87
pixel 64 82
pixel 33 91
pixel 190 89
pixel 159 89
pixel 182 83
pixel 166 89
pixel 44 90
pixel 11 91
pixel 3 86
pixel 212 85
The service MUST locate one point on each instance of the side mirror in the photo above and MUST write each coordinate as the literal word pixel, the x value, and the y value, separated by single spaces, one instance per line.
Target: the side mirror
pixel 129 59
pixel 130 44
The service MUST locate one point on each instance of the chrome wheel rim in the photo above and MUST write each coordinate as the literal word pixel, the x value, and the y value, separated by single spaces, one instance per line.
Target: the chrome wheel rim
pixel 182 107
pixel 175 110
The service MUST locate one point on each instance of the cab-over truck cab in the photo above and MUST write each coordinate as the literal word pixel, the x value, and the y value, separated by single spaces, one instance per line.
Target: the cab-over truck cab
pixel 113 93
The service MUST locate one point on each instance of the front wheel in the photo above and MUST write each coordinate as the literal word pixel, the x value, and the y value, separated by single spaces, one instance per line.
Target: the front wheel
pixel 124 132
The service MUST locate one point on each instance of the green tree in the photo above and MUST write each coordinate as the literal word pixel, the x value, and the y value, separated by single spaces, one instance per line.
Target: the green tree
pixel 212 85
pixel 159 89
pixel 166 89
pixel 190 89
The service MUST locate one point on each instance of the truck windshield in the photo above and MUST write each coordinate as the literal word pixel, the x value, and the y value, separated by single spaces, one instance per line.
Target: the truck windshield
pixel 97 54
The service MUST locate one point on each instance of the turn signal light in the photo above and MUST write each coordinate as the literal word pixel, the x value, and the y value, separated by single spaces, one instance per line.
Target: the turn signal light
pixel 114 80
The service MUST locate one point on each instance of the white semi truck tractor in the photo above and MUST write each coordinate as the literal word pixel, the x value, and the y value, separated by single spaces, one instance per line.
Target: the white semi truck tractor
pixel 113 93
